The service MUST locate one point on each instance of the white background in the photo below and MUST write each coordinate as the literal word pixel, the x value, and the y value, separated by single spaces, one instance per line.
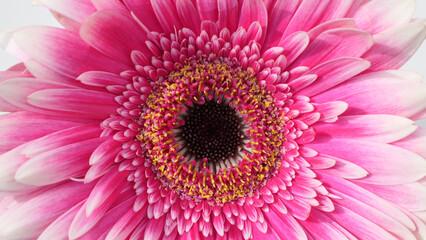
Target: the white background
pixel 16 13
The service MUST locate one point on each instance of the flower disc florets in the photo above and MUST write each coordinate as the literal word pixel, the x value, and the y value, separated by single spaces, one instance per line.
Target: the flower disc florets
pixel 217 172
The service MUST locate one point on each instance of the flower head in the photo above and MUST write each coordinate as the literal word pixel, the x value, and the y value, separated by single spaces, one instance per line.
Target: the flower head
pixel 214 119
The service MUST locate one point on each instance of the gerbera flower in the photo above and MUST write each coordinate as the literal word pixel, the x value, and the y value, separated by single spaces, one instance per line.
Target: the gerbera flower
pixel 214 119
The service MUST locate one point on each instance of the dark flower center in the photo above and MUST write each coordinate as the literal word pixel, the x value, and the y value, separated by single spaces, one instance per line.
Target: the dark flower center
pixel 213 130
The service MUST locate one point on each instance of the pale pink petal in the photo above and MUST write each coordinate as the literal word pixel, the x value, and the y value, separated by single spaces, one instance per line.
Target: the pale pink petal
pixel 66 22
pixel 359 226
pixel 63 51
pixel 334 72
pixel 41 71
pixel 375 128
pixel 16 126
pixel 344 169
pixel 364 94
pixel 10 162
pixel 29 218
pixel 395 46
pixel 10 46
pixel 391 13
pixel 85 102
pixel 367 197
pixel 416 142
pixel 386 164
pixel 411 197
pixel 58 164
pixel 78 10
pixel 335 43
pixel 59 228
pixel 15 91
pixel 375 216
pixel 114 34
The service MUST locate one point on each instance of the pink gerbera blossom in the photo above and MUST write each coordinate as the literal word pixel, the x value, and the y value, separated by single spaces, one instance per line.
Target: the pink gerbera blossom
pixel 214 119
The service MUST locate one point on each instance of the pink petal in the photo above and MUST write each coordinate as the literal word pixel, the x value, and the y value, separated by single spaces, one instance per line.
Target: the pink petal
pixel 116 5
pixel 188 15
pixel 334 72
pixel 143 12
pixel 61 138
pixel 105 188
pixel 391 13
pixel 114 34
pixel 375 128
pixel 364 94
pixel 307 15
pixel 89 103
pixel 228 14
pixel 78 10
pixel 125 225
pixel 333 24
pixel 330 110
pixel 63 51
pixel 28 219
pixel 294 45
pixel 101 79
pixel 58 164
pixel 279 16
pixel 386 164
pixel 335 43
pixel 208 9
pixel 322 227
pixel 100 230
pixel 82 224
pixel 167 15
pixel 285 226
pixel 254 11
pixel 395 46
pixel 154 228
